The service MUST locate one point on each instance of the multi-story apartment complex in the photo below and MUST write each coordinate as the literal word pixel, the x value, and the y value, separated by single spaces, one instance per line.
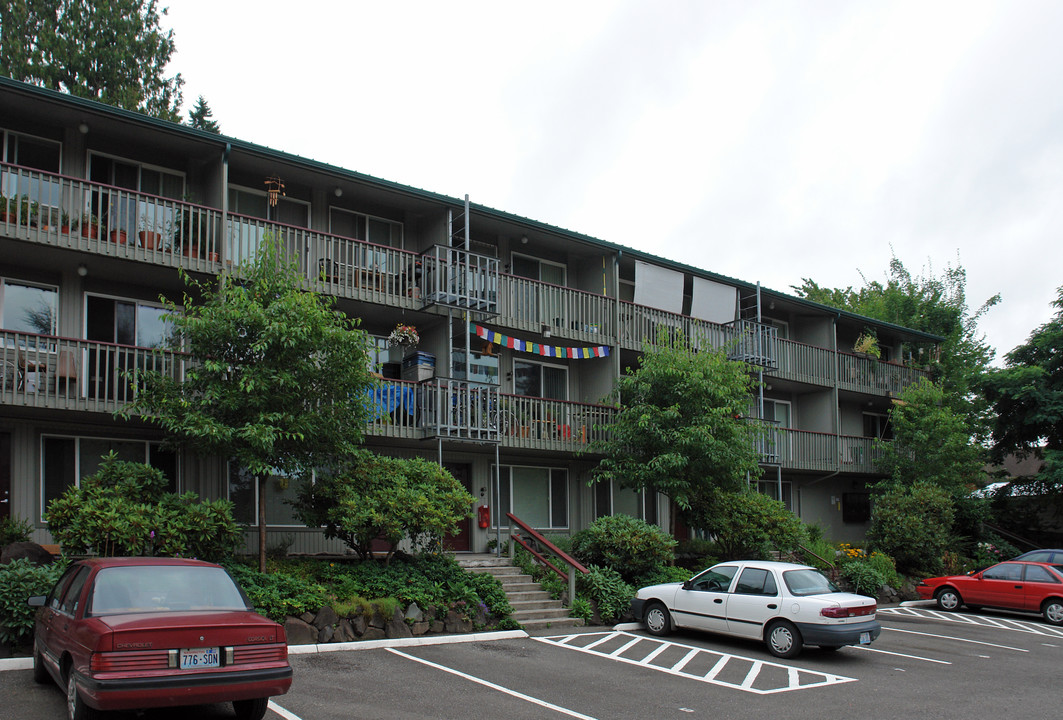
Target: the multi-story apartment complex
pixel 529 325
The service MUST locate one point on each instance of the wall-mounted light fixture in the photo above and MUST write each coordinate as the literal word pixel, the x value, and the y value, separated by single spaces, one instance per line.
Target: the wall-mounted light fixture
pixel 524 240
pixel 338 192
pixel 83 270
pixel 83 128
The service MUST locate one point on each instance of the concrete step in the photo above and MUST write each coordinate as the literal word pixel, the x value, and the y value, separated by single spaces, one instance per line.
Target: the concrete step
pixel 529 595
pixel 547 603
pixel 546 626
pixel 532 606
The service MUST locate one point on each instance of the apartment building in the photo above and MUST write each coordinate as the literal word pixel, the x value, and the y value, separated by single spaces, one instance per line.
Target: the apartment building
pixel 524 326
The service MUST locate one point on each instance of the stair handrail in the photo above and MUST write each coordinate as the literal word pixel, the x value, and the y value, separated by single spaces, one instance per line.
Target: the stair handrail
pixel 561 554
pixel 834 574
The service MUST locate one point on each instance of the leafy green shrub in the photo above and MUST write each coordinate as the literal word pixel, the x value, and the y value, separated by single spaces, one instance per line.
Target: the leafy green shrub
pixel 276 595
pixel 886 567
pixel 696 554
pixel 124 509
pixel 607 589
pixel 865 579
pixel 581 609
pixel 562 542
pixel 912 524
pixel 20 579
pixel 665 574
pixel 376 496
pixel 630 546
pixel 818 552
pixel 13 530
pixel 746 524
pixel 992 549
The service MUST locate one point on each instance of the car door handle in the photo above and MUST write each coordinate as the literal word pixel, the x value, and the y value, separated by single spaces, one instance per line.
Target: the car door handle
pixel 718 600
pixel 772 606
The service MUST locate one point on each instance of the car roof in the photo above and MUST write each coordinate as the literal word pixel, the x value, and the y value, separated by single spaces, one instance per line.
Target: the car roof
pixel 106 562
pixel 766 564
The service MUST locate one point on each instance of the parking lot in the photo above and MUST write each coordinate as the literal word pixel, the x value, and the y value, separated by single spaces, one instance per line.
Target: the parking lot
pixel 925 664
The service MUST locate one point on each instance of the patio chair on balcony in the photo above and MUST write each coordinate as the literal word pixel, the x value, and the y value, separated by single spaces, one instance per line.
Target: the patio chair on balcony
pixel 65 370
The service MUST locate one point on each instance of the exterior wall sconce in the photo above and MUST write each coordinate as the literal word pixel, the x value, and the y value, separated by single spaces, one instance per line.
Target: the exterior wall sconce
pixel 82 270
pixel 83 128
pixel 338 192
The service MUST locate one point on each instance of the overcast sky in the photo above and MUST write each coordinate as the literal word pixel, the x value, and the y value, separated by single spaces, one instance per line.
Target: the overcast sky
pixel 768 141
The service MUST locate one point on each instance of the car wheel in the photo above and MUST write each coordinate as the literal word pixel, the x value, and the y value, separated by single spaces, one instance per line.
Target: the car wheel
pixel 40 672
pixel 948 599
pixel 1053 612
pixel 76 709
pixel 658 621
pixel 250 709
pixel 783 639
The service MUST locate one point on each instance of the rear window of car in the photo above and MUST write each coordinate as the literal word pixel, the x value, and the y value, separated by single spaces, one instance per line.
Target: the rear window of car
pixel 147 588
pixel 1036 573
pixel 808 582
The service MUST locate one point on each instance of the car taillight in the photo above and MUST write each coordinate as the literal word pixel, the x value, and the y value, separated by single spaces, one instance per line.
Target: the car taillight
pixel 272 652
pixel 844 612
pixel 129 661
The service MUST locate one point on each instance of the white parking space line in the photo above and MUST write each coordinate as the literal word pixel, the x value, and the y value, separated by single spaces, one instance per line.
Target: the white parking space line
pixel 957 639
pixel 1024 626
pixel 282 712
pixel 904 655
pixel 724 669
pixel 493 686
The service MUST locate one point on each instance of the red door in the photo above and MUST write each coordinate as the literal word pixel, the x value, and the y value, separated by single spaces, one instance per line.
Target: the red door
pixel 462 542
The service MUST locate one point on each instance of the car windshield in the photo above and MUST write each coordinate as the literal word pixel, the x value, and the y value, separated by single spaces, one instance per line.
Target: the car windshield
pixel 808 582
pixel 163 588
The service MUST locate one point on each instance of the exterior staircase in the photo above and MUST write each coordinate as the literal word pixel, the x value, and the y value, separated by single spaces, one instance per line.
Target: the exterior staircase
pixel 532 606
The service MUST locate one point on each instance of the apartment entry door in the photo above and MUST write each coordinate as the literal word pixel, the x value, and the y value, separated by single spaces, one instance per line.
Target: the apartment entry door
pixel 5 476
pixel 462 542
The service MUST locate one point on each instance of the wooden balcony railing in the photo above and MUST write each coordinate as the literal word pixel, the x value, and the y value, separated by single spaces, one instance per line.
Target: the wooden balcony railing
pixel 805 363
pixel 821 452
pixel 46 371
pixel 864 374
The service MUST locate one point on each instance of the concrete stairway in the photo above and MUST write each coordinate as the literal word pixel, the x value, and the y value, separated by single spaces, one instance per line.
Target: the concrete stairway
pixel 533 607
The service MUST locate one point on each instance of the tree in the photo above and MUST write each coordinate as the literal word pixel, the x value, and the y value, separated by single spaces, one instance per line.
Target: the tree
pixel 278 378
pixel 114 52
pixel 680 430
pixel 747 524
pixel 200 116
pixel 934 305
pixel 1027 394
pixel 911 524
pixel 374 496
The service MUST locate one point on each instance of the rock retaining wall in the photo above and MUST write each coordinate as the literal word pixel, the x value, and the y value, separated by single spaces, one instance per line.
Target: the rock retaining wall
pixel 326 626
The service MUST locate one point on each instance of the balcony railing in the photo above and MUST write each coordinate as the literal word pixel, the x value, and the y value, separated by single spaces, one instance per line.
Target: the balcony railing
pixel 458 278
pixel 754 343
pixel 805 363
pixel 537 306
pixel 820 452
pixel 46 371
pixel 861 374
pixel 639 324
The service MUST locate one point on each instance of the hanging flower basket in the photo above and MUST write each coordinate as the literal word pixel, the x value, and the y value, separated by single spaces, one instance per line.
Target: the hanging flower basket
pixel 403 336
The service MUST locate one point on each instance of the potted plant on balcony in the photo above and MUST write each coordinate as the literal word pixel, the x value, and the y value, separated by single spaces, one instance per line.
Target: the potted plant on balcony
pixel 151 233
pixel 404 336
pixel 89 224
pixel 188 231
pixel 866 346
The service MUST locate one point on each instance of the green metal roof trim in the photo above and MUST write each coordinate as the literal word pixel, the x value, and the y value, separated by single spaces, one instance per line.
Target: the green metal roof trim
pixel 221 141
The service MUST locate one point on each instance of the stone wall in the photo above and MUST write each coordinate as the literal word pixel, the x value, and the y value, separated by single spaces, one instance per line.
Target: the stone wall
pixel 328 627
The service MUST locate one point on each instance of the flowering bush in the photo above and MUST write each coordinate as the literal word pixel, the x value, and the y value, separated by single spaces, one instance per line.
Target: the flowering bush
pixel 403 335
pixel 847 552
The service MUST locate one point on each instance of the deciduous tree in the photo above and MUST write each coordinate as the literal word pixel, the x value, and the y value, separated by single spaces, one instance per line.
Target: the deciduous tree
pixel 278 378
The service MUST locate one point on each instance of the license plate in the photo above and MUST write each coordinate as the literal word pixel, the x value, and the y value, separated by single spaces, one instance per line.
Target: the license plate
pixel 865 638
pixel 192 658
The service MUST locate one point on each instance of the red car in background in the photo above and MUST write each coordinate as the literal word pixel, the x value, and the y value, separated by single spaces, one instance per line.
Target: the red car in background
pixel 132 633
pixel 1013 585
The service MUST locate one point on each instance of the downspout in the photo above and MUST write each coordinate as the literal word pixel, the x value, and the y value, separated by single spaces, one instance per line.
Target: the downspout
pixel 221 246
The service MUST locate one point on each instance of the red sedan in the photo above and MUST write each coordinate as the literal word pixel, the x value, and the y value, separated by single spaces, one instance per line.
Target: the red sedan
pixel 1029 586
pixel 131 633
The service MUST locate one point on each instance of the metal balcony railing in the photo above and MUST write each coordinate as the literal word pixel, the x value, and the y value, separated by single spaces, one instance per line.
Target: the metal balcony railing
pixel 46 371
pixel 754 343
pixel 458 278
pixel 537 306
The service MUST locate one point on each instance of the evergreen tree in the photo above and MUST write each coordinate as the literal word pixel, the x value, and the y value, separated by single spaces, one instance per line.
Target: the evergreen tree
pixel 200 116
pixel 114 51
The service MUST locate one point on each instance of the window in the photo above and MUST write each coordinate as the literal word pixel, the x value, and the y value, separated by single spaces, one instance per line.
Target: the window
pixel 771 489
pixel 36 154
pixel 365 227
pixel 1004 571
pixel 540 380
pixel 756 581
pixel 69 604
pixel 714 579
pixel 245 235
pixel 613 500
pixel 877 425
pixel 121 211
pixel 537 495
pixel 243 491
pixel 1036 573
pixel 535 302
pixel 484 367
pixel 127 322
pixel 856 507
pixel 29 308
pixel 65 460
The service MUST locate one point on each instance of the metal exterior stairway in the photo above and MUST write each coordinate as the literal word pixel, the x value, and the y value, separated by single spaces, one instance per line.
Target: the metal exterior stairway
pixel 532 606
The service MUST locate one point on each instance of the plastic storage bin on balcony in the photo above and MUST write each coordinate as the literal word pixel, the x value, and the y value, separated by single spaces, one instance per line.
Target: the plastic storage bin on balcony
pixel 418 366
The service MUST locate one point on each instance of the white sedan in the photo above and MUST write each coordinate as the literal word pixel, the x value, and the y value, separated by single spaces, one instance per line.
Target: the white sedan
pixel 784 605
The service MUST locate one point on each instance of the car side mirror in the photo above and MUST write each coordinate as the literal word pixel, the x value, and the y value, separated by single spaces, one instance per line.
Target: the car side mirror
pixel 36 600
pixel 686 585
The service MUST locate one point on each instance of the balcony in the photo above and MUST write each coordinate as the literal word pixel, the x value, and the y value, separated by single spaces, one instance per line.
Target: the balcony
pixel 533 306
pixel 817 452
pixel 44 371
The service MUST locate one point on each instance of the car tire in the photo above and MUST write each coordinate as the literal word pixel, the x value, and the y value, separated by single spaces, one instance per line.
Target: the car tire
pixel 948 599
pixel 1053 611
pixel 250 709
pixel 783 639
pixel 657 619
pixel 76 709
pixel 40 672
